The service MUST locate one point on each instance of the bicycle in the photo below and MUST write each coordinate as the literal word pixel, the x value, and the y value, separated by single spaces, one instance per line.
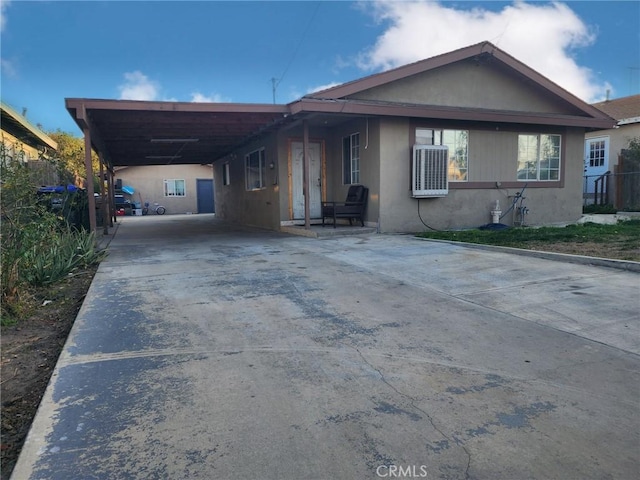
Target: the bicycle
pixel 159 209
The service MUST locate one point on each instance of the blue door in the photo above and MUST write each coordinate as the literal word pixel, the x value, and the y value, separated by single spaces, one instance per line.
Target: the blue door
pixel 204 187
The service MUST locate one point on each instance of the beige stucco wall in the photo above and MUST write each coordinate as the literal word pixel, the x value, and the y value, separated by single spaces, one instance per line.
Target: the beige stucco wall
pixel 336 190
pixel 618 139
pixel 468 85
pixel 386 170
pixel 235 203
pixel 492 158
pixel 148 182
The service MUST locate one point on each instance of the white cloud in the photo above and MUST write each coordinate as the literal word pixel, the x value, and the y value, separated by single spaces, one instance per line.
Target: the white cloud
pixel 8 68
pixel 198 97
pixel 138 86
pixel 4 4
pixel 323 87
pixel 543 36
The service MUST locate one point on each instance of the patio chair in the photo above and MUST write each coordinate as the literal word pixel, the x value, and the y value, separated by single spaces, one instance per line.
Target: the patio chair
pixel 352 208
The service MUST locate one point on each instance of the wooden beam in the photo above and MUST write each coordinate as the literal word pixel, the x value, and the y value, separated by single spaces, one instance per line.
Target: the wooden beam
pixel 90 190
pixel 305 175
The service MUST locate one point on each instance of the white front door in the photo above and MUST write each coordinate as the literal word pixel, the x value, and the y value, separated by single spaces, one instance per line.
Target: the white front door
pixel 315 182
pixel 596 157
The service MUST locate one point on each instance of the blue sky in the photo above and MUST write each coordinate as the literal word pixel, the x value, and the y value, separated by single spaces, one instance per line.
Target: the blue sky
pixel 237 51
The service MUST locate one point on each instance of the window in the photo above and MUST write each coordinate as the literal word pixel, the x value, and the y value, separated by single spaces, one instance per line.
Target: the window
pixel 255 169
pixel 174 188
pixel 538 157
pixel 226 180
pixel 597 152
pixel 458 143
pixel 351 159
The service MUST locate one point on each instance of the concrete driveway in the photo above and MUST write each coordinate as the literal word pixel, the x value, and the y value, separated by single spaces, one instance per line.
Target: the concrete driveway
pixel 205 351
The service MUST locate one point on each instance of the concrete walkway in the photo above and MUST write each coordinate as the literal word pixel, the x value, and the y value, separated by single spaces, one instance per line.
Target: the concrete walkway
pixel 205 351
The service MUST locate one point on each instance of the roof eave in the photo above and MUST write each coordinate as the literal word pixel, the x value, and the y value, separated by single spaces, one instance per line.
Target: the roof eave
pixel 351 107
pixel 372 81
pixel 39 136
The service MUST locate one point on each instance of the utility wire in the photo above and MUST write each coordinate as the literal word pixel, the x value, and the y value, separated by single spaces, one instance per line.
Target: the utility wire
pixel 275 82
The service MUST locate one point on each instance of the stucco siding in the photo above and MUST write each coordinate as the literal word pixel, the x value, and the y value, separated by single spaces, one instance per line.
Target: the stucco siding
pixel 235 203
pixel 370 160
pixel 148 183
pixel 492 175
pixel 619 139
pixel 467 84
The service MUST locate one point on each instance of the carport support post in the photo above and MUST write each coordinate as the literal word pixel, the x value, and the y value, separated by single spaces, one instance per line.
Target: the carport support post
pixel 111 190
pixel 305 174
pixel 90 191
pixel 104 194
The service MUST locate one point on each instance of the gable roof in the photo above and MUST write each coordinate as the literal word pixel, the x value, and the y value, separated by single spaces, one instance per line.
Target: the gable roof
pixel 626 109
pixel 588 116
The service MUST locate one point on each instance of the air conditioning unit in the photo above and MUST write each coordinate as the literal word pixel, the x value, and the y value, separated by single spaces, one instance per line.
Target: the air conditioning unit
pixel 430 165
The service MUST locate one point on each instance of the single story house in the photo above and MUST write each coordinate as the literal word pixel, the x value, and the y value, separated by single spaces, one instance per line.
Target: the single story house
pixel 437 142
pixel 603 147
pixel 178 188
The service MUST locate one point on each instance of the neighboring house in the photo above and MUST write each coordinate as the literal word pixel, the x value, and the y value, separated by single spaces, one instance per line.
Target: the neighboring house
pixel 178 188
pixel 437 143
pixel 603 147
pixel 26 142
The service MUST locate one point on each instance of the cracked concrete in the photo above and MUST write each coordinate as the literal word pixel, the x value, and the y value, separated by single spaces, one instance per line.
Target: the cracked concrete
pixel 207 351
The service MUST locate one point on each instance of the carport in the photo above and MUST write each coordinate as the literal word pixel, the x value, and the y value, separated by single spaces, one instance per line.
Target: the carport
pixel 139 133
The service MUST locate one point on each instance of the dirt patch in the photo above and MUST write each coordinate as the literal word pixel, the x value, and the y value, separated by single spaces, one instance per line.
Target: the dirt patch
pixel 30 350
pixel 622 250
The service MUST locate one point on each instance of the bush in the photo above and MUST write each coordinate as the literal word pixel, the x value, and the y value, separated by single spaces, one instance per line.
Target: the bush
pixel 38 247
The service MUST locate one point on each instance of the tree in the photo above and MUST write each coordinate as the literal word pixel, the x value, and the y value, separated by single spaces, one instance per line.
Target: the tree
pixel 70 155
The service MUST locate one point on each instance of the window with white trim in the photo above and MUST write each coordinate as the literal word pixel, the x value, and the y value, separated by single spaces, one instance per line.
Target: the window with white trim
pixel 597 153
pixel 538 157
pixel 255 169
pixel 174 188
pixel 351 159
pixel 458 143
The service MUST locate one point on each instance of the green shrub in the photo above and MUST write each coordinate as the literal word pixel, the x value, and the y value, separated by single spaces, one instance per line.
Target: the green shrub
pixel 37 246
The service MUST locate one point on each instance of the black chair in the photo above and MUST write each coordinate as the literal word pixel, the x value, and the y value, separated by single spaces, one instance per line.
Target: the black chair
pixel 352 208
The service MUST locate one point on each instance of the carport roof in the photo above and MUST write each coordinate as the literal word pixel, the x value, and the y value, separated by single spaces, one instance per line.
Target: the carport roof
pixel 133 133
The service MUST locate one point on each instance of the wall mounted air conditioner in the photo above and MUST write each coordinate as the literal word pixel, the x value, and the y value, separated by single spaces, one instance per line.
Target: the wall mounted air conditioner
pixel 429 168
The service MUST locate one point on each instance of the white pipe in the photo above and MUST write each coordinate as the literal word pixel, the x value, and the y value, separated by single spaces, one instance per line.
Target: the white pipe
pixel 496 212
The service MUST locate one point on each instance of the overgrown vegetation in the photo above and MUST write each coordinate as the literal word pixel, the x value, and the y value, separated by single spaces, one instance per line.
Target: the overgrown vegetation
pixel 623 236
pixel 38 246
pixel 599 209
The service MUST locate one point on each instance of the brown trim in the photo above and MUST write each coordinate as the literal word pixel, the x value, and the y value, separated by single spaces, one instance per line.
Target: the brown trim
pixel 357 107
pixel 525 129
pixel 323 168
pixel 145 106
pixel 477 51
pixel 503 185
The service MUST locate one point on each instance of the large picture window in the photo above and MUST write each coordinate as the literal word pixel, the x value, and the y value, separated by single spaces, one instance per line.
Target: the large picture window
pixel 351 159
pixel 538 157
pixel 255 169
pixel 174 188
pixel 458 143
